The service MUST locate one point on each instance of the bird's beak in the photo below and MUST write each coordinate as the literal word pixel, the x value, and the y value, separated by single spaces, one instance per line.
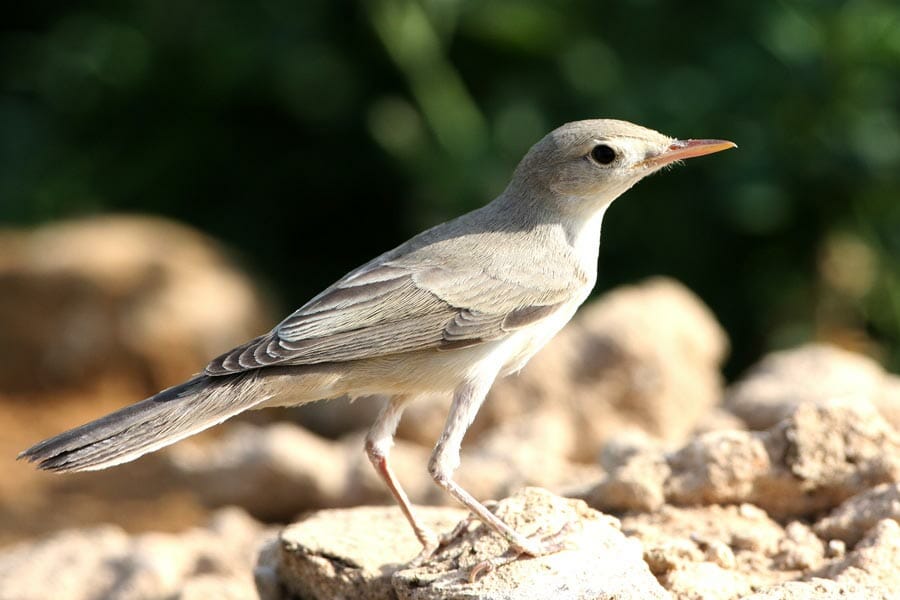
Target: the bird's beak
pixel 682 149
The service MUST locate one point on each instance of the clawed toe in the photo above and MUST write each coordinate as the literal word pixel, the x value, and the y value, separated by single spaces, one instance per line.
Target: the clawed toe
pixel 527 547
pixel 519 546
pixel 455 534
pixel 431 542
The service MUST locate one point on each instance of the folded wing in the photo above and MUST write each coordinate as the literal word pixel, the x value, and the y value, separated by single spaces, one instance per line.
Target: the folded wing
pixel 389 309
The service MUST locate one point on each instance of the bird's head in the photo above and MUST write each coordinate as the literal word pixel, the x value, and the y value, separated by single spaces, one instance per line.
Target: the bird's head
pixel 587 164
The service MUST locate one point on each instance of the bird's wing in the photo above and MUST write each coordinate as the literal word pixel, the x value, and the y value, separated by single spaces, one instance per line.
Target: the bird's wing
pixel 388 308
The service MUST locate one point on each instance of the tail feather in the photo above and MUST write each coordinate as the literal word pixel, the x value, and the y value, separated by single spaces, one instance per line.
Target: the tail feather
pixel 171 415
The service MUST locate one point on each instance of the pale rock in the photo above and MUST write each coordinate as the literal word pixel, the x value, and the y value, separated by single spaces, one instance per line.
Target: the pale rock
pixel 276 471
pixel 104 563
pixel 819 589
pixel 118 294
pixel 361 553
pixel 873 561
pixel 857 515
pixel 816 374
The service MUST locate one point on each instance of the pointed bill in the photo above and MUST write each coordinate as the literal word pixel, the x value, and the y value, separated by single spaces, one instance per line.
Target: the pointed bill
pixel 682 149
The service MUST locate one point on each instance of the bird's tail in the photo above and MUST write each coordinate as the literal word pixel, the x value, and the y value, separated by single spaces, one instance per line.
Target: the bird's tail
pixel 171 415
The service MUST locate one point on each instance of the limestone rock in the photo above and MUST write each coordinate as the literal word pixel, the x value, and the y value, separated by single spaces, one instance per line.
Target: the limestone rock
pixel 820 589
pixel 104 563
pixel 852 519
pixel 695 551
pixel 276 471
pixel 105 294
pixel 352 553
pixel 725 552
pixel 361 553
pixel 808 463
pixel 273 471
pixel 637 482
pixel 599 562
pixel 800 549
pixel 816 374
pixel 873 562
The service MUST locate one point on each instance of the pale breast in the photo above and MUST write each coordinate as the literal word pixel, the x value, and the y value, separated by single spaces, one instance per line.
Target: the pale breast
pixel 526 343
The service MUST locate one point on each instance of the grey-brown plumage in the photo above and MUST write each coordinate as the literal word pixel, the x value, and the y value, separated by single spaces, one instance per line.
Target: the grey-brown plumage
pixel 448 311
pixel 158 421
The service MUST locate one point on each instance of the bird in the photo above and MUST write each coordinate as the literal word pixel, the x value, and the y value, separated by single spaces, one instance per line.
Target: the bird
pixel 449 311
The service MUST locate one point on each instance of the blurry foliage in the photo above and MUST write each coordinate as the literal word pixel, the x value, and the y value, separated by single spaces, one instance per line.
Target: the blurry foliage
pixel 312 135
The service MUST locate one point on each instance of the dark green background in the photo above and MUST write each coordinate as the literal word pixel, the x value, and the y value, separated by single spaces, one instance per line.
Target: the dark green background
pixel 310 136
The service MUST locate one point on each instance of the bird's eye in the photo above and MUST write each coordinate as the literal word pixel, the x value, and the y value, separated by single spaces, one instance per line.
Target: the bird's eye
pixel 603 154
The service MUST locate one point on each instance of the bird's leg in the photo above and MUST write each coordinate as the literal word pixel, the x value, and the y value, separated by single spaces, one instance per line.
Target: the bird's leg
pixel 378 447
pixel 466 401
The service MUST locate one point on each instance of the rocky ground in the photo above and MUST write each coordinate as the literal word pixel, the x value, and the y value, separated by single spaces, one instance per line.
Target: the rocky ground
pixel 620 435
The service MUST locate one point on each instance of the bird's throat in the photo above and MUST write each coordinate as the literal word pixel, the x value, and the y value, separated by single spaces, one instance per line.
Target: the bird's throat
pixel 584 237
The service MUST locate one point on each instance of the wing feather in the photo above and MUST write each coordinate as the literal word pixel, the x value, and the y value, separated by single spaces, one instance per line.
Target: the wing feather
pixel 391 306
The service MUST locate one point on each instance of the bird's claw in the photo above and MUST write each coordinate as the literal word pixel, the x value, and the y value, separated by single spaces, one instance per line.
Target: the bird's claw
pixel 524 547
pixel 519 547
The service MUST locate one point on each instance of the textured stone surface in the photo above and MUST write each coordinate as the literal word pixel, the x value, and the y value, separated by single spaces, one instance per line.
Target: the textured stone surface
pixel 277 471
pixel 342 554
pixel 710 551
pixel 352 553
pixel 816 374
pixel 852 519
pixel 104 563
pixel 102 295
pixel 873 562
pixel 810 462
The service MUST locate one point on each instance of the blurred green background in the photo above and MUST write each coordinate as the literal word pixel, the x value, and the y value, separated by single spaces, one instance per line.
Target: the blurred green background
pixel 312 135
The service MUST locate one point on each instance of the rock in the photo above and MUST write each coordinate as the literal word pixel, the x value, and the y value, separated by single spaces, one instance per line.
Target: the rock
pixel 718 551
pixel 529 450
pixel 637 483
pixel 339 416
pixel 599 563
pixel 823 455
pixel 339 554
pixel 808 463
pixel 857 515
pixel 873 562
pixel 800 549
pixel 719 419
pixel 709 552
pixel 265 573
pixel 296 470
pixel 99 295
pixel 277 471
pixel 642 357
pixel 351 553
pixel 204 587
pixel 35 570
pixel 105 563
pixel 272 471
pixel 705 581
pixel 819 589
pixel 817 374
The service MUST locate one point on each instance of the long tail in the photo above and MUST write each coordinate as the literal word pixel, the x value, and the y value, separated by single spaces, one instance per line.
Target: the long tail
pixel 171 415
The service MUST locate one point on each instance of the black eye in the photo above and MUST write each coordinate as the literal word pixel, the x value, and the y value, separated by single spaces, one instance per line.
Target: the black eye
pixel 603 154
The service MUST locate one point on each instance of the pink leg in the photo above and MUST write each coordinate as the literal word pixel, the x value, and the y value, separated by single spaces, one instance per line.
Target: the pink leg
pixel 444 461
pixel 378 445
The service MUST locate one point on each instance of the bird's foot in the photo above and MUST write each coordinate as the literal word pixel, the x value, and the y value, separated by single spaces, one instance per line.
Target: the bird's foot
pixel 523 547
pixel 431 542
pixel 463 526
